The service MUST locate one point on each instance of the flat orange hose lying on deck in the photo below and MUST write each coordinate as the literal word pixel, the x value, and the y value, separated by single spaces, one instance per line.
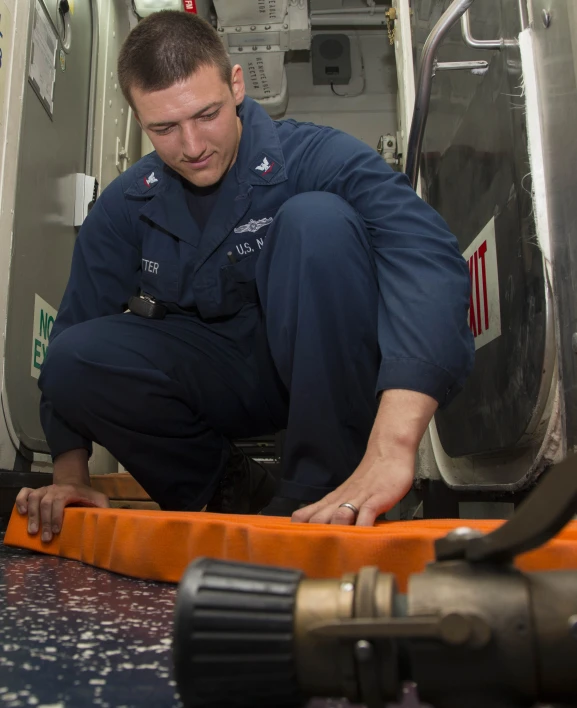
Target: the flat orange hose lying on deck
pixel 157 545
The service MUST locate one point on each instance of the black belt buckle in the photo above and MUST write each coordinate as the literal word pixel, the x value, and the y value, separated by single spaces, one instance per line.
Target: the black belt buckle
pixel 145 305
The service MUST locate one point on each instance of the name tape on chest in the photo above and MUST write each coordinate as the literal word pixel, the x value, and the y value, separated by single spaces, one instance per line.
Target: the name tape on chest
pixel 150 266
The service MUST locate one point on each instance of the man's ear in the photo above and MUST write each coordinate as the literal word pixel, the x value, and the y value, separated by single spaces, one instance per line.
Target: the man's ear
pixel 237 83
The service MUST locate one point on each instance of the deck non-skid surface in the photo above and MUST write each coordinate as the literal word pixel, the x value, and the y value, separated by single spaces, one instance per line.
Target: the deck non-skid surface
pixel 73 636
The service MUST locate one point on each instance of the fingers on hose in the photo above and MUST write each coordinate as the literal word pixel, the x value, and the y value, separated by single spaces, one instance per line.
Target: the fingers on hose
pixel 22 500
pixel 46 506
pixel 102 501
pixel 343 515
pixel 34 499
pixel 318 513
pixel 373 507
pixel 57 514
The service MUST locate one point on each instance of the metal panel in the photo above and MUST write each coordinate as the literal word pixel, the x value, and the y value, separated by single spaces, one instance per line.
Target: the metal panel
pixel 556 59
pixel 475 168
pixel 52 151
pixel 248 12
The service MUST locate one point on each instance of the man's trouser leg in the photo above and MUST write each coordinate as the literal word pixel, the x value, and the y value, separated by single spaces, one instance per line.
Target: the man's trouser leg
pixel 163 396
pixel 317 283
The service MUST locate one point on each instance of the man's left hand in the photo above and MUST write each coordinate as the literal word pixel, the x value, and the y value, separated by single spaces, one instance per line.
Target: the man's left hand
pixel 375 487
pixel 386 472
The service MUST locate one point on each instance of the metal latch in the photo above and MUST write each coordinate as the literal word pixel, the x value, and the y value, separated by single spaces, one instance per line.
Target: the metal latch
pixel 387 148
pixel 86 194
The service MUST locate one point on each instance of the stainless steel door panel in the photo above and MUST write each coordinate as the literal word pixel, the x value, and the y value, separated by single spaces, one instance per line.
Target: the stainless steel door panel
pixel 53 150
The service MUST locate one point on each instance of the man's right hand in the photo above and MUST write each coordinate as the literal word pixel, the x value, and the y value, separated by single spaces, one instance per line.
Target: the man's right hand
pixel 45 506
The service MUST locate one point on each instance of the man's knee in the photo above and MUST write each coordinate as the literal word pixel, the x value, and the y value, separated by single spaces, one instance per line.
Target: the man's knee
pixel 319 223
pixel 316 209
pixel 61 374
pixel 321 230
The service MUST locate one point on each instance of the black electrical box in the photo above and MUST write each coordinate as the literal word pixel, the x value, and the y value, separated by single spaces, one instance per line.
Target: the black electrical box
pixel 331 59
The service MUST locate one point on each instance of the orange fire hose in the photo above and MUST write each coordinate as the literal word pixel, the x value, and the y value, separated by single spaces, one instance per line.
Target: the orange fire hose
pixel 157 545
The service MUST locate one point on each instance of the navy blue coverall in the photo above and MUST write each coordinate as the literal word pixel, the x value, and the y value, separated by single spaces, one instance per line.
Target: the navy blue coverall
pixel 319 280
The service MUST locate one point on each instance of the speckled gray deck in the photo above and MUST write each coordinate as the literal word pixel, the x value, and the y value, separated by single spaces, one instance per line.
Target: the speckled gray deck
pixel 74 636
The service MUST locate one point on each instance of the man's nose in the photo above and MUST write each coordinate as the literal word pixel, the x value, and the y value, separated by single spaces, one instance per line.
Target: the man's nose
pixel 193 145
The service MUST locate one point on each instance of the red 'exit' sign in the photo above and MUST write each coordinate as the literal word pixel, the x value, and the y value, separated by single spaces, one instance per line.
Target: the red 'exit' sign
pixel 190 6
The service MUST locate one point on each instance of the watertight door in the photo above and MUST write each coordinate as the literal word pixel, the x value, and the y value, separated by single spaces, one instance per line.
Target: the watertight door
pixel 475 171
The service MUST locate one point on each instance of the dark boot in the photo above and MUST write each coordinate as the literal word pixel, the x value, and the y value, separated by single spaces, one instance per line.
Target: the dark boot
pixel 245 488
pixel 283 506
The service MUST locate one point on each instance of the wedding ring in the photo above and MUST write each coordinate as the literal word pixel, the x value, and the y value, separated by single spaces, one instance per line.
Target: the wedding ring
pixel 352 507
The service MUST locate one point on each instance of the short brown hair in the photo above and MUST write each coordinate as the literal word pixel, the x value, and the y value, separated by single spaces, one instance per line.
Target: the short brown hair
pixel 166 48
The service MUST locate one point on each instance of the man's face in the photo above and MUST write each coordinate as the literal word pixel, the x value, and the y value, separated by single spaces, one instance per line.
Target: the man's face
pixel 193 125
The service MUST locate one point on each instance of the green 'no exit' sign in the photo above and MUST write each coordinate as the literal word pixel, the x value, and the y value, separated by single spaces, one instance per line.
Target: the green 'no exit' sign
pixel 44 316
